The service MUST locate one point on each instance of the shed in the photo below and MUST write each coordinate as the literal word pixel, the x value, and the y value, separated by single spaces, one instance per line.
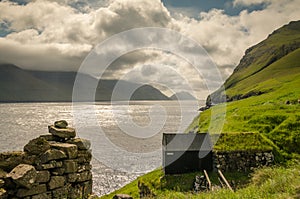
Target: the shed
pixel 183 153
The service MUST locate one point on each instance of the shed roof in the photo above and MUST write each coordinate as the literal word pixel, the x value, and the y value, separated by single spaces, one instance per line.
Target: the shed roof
pixel 187 142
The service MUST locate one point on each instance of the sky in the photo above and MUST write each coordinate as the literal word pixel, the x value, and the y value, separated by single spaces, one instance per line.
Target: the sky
pixel 59 34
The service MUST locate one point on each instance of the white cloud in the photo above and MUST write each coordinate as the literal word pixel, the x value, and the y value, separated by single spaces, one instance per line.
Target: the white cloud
pixel 58 35
pixel 123 15
pixel 47 25
pixel 250 2
pixel 227 37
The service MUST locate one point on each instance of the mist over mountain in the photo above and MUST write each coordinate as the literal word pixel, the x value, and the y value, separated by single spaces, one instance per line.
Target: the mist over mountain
pixel 18 85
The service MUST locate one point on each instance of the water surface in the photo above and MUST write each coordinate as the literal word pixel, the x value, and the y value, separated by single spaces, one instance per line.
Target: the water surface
pixel 119 157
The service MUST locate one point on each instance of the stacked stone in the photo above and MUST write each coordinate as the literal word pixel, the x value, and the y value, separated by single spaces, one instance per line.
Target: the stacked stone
pixel 56 165
pixel 242 160
pixel 200 184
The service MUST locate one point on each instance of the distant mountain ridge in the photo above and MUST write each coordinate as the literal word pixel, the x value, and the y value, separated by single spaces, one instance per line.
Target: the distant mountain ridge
pixel 183 95
pixel 18 85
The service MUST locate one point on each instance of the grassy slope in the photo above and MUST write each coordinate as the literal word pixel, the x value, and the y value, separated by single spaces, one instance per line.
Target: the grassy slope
pixel 283 71
pixel 267 114
pixel 258 58
pixel 273 182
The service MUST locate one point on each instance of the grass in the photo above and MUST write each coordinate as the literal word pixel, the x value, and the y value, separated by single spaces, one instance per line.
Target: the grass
pixel 274 125
pixel 266 114
pixel 270 182
pixel 241 142
pixel 132 188
pixel 271 78
pixel 262 114
pixel 270 49
pixel 160 185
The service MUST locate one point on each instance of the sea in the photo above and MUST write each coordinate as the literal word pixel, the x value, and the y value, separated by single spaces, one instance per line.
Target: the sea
pixel 126 136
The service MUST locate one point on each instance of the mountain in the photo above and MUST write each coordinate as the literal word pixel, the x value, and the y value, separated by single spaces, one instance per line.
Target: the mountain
pixel 271 70
pixel 182 96
pixel 18 85
pixel 149 91
pixel 259 71
pixel 263 94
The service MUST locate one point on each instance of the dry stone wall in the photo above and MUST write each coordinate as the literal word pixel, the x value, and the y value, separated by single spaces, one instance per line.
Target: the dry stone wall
pixel 242 160
pixel 56 165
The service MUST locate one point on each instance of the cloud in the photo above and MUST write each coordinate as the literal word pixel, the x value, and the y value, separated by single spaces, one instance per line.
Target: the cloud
pixel 29 56
pixel 227 37
pixel 251 2
pixel 123 15
pixel 148 70
pixel 49 26
pixel 57 35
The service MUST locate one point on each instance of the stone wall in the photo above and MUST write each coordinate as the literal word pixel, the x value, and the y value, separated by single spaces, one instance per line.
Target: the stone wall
pixel 242 160
pixel 56 165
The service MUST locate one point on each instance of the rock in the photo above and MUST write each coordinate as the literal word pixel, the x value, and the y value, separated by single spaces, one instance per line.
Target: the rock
pixel 9 185
pixel 50 137
pixel 61 193
pixel 42 176
pixel 3 194
pixel 69 149
pixel 30 159
pixel 52 154
pixel 3 174
pixel 47 195
pixel 9 160
pixel 51 165
pixel 79 177
pixel 70 166
pixel 84 156
pixel 58 171
pixel 37 146
pixel 36 189
pixel 82 144
pixel 2 182
pixel 203 108
pixel 84 176
pixel 72 177
pixel 84 167
pixel 200 184
pixel 62 124
pixel 76 191
pixel 62 133
pixel 87 188
pixel 122 196
pixel 23 175
pixel 56 182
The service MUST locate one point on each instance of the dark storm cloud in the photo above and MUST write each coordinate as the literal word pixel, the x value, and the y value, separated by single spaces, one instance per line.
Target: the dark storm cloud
pixel 58 35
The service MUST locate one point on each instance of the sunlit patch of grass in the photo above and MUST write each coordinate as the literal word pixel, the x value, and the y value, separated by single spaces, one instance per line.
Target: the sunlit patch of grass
pixel 270 182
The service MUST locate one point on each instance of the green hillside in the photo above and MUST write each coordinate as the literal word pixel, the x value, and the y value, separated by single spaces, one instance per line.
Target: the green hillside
pixel 266 183
pixel 257 72
pixel 262 97
pixel 265 111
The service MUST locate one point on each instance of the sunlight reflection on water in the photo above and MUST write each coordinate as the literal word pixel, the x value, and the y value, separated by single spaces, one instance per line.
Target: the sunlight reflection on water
pixel 21 122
